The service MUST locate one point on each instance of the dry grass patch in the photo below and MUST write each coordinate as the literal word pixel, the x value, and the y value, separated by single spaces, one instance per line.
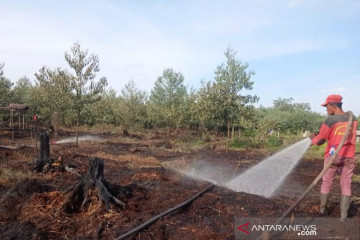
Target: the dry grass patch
pixel 131 161
pixel 9 177
pixel 355 199
pixel 357 158
pixel 356 178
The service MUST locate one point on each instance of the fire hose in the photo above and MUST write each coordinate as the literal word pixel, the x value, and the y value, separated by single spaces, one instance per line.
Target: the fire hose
pixel 321 174
pixel 152 220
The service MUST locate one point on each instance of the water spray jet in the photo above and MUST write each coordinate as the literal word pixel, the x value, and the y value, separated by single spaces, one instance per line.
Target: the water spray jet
pixel 81 138
pixel 263 179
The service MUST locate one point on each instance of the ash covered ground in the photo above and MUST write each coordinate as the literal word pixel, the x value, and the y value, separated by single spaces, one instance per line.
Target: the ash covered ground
pixel 32 203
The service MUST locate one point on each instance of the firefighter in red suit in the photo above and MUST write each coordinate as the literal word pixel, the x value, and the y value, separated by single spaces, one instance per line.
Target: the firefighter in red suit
pixel 332 131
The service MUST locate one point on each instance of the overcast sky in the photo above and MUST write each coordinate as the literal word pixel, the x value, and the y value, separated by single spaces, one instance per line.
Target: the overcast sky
pixel 304 49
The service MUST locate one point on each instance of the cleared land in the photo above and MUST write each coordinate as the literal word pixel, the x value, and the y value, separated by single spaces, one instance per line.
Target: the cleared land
pixel 32 203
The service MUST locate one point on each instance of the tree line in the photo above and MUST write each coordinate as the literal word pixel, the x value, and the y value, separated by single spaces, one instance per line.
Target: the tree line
pixel 77 97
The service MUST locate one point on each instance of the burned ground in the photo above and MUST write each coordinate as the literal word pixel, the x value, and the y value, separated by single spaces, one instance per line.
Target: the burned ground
pixel 32 204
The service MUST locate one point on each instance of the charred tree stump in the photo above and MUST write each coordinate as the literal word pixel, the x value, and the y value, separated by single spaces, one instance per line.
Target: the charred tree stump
pixel 43 162
pixel 94 180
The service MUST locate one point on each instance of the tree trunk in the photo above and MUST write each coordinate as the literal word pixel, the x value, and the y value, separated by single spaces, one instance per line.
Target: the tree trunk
pixel 11 118
pixel 43 162
pixel 232 131
pixel 19 116
pixel 23 115
pixel 228 137
pixel 56 123
pixel 94 180
pixel 77 129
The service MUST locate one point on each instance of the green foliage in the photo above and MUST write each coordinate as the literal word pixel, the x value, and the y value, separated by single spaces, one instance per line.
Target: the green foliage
pixel 5 88
pixel 237 143
pixel 85 87
pixel 289 118
pixel 286 104
pixel 231 78
pixel 274 141
pixel 53 93
pixel 205 106
pixel 21 90
pixel 131 108
pixel 315 152
pixel 220 103
pixel 76 97
pixel 248 143
pixel 191 118
pixel 167 98
pixel 2 69
pixel 86 90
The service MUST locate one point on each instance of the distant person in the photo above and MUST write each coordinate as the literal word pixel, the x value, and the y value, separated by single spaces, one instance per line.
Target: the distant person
pixel 332 131
pixel 35 118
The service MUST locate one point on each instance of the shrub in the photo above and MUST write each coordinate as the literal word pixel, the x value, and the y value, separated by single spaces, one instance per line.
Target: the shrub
pixel 274 141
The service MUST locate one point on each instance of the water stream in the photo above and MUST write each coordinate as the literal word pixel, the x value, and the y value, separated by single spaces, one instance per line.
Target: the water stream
pixel 265 177
pixel 81 138
pixel 262 179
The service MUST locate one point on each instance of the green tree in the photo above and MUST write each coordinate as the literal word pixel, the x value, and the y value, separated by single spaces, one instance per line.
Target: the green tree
pixel 264 124
pixel 86 89
pixel 21 90
pixel 286 104
pixel 53 98
pixel 5 88
pixel 104 111
pixel 232 78
pixel 207 106
pixel 295 117
pixel 2 69
pixel 132 106
pixel 290 118
pixel 221 103
pixel 191 117
pixel 167 98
